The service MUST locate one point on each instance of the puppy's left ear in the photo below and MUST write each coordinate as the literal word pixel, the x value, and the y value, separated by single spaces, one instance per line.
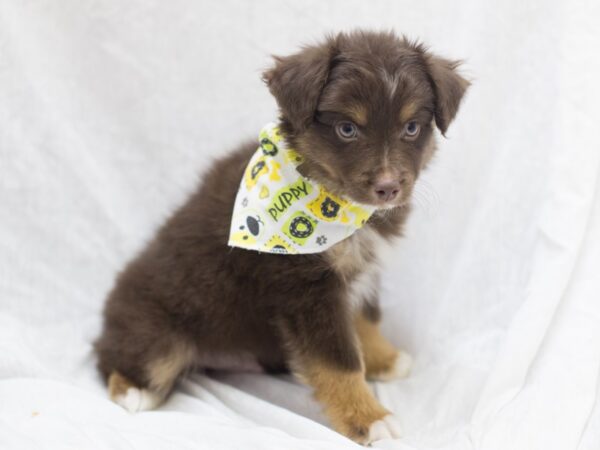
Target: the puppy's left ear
pixel 449 88
pixel 297 81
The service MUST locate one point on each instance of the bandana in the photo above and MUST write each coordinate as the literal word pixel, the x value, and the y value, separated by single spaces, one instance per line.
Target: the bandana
pixel 277 210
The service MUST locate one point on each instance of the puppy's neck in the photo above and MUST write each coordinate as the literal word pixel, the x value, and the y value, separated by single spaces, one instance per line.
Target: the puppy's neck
pixel 361 252
pixel 389 223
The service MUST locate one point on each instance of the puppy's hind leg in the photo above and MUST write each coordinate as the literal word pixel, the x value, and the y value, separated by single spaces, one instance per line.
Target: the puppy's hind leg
pixel 133 398
pixel 161 374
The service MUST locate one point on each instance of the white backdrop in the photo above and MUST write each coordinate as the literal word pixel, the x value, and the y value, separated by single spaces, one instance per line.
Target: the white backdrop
pixel 109 112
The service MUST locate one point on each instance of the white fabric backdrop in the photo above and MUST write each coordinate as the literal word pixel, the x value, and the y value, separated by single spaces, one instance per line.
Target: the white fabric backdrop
pixel 109 110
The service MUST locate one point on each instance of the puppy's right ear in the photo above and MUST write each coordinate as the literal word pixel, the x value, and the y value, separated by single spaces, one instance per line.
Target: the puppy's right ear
pixel 297 81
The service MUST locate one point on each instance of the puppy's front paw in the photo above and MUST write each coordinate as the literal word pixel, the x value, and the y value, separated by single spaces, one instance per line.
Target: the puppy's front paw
pixel 388 427
pixel 367 432
pixel 399 369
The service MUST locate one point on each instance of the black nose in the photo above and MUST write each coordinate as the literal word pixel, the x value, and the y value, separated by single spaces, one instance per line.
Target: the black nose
pixel 387 190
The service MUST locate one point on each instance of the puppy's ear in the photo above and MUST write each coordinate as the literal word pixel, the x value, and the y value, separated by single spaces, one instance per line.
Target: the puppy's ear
pixel 449 88
pixel 296 82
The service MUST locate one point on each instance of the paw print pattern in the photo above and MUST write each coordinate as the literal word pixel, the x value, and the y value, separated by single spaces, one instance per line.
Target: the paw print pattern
pixel 268 148
pixel 330 208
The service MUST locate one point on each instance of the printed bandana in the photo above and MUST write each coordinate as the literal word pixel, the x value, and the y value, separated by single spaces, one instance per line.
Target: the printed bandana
pixel 277 210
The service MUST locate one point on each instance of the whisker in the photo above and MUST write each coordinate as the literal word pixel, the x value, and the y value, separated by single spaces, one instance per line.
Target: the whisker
pixel 425 196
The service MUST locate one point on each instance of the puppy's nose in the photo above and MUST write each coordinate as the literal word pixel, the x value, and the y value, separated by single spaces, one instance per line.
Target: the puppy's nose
pixel 387 189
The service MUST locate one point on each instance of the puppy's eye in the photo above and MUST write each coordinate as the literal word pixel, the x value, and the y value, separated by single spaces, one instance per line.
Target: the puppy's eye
pixel 411 130
pixel 346 130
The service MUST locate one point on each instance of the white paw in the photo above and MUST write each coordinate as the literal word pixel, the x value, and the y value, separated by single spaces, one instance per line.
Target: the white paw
pixel 387 428
pixel 403 365
pixel 135 400
pixel 401 368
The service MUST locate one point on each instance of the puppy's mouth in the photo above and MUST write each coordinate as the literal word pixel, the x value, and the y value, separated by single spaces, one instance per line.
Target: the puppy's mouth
pixel 365 192
pixel 391 205
pixel 379 203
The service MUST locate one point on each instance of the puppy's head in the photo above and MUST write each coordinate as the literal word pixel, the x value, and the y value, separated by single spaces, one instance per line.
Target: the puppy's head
pixel 361 109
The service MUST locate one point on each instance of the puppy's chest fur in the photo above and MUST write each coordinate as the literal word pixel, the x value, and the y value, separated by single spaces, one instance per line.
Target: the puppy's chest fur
pixel 356 261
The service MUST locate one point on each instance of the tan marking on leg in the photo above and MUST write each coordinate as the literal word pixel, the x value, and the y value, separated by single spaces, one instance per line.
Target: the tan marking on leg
pixel 118 385
pixel 163 371
pixel 379 354
pixel 347 399
pixel 125 393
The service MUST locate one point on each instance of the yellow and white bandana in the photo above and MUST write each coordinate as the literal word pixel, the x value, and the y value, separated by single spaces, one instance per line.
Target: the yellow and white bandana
pixel 277 210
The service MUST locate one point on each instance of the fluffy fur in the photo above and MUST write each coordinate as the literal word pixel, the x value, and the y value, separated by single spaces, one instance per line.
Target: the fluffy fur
pixel 189 299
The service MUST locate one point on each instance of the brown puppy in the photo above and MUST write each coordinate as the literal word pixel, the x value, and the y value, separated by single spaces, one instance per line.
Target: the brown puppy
pixel 360 109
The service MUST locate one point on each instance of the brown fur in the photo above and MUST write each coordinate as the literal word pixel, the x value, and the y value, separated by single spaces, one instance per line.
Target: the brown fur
pixel 118 385
pixel 188 295
pixel 408 111
pixel 348 401
pixel 378 354
pixel 163 371
pixel 358 114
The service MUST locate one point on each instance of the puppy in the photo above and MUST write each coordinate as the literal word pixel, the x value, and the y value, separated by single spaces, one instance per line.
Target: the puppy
pixel 359 111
